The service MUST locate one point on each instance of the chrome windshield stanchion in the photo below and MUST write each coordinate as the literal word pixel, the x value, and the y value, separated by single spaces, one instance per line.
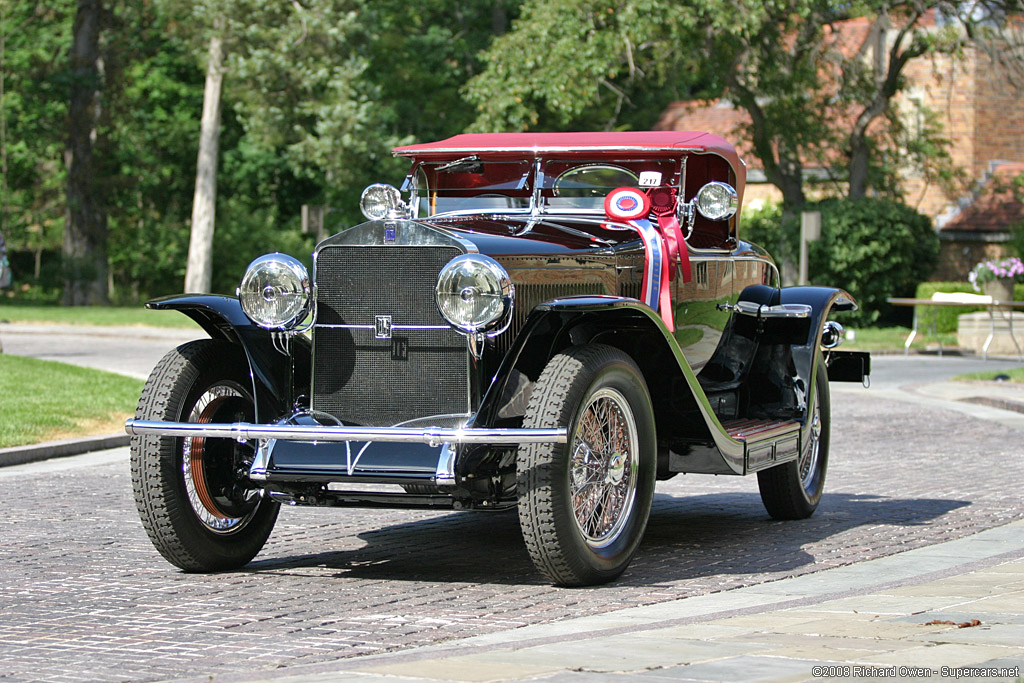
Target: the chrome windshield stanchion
pixel 258 469
pixel 445 474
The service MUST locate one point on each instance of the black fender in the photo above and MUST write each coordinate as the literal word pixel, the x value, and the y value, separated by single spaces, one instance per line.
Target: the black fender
pixel 805 334
pixel 278 377
pixel 681 408
pixel 822 300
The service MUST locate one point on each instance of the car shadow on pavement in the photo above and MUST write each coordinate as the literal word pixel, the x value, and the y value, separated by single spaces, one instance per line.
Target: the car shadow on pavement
pixel 688 537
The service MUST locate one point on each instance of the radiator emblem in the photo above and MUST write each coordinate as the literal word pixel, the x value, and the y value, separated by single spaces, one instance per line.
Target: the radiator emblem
pixel 382 327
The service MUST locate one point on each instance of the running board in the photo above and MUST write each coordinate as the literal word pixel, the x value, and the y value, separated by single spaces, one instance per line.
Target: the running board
pixel 765 442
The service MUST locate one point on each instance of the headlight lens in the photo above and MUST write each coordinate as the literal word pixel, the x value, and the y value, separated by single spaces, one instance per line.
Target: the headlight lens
pixel 717 201
pixel 473 293
pixel 381 201
pixel 275 291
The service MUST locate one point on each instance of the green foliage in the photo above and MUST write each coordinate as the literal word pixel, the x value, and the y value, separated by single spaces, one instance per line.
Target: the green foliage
pixel 316 94
pixel 764 227
pixel 947 316
pixel 123 316
pixel 243 234
pixel 580 63
pixel 873 248
pixel 807 94
pixel 36 37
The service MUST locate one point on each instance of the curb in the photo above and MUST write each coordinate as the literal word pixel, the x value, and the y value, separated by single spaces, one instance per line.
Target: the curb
pixel 991 402
pixel 19 455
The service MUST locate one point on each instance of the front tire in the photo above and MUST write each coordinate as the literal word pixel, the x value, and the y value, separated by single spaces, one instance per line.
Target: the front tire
pixel 193 494
pixel 583 505
pixel 793 490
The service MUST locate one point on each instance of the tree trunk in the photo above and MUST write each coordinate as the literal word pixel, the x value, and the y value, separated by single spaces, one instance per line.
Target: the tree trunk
pixel 858 164
pixel 199 272
pixel 85 230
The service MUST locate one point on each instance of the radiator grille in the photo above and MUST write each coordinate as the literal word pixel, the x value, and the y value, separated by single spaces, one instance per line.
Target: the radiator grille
pixel 530 295
pixel 380 382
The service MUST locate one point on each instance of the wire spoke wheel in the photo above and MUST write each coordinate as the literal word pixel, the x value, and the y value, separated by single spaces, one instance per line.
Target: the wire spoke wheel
pixel 583 505
pixel 808 462
pixel 793 489
pixel 214 470
pixel 194 495
pixel 603 468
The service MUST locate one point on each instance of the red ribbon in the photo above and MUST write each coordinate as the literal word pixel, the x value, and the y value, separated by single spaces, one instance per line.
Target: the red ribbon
pixel 664 236
pixel 663 205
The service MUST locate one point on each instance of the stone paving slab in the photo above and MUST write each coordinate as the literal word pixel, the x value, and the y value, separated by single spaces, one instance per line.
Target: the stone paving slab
pixel 783 644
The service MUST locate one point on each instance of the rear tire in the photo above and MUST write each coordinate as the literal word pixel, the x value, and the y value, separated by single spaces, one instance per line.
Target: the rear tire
pixel 793 490
pixel 583 505
pixel 198 506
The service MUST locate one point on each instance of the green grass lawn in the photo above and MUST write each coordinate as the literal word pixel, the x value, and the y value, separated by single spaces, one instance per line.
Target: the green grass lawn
pixel 13 312
pixel 44 400
pixel 41 400
pixel 892 339
pixel 1015 375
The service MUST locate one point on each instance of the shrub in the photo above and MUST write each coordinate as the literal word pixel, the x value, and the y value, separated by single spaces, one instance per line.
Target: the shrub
pixel 873 248
pixel 947 315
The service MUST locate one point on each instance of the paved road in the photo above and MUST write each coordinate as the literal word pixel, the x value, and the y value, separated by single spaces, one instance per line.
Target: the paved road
pixel 128 350
pixel 85 597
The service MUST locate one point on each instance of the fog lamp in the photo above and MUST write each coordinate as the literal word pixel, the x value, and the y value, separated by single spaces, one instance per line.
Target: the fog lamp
pixel 717 201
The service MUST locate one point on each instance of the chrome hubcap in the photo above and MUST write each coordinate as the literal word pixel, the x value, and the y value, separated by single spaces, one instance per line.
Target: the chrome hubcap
pixel 603 469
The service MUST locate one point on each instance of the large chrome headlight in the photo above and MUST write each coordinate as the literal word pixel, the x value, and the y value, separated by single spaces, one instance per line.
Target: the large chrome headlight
pixel 275 292
pixel 474 293
pixel 717 201
pixel 382 201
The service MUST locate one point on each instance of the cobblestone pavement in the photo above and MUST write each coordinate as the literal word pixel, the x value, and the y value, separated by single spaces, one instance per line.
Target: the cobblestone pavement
pixel 84 596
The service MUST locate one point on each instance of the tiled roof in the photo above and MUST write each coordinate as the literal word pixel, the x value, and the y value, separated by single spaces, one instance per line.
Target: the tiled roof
pixel 994 207
pixel 714 116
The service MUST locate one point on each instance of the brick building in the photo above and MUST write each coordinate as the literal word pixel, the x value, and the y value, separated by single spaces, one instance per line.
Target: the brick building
pixel 982 115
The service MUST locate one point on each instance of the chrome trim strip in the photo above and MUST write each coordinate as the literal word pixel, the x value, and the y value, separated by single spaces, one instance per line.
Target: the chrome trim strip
pixel 408 233
pixel 374 327
pixel 242 431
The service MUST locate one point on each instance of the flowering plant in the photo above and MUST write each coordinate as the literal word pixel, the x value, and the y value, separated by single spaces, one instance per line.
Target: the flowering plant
pixel 986 271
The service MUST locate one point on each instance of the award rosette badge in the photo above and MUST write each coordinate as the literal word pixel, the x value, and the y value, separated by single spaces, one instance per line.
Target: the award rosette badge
pixel 627 204
pixel 633 206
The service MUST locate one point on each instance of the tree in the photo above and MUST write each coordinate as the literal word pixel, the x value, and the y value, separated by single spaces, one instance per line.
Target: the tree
pixel 806 93
pixel 585 64
pixel 85 235
pixel 199 272
pixel 997 28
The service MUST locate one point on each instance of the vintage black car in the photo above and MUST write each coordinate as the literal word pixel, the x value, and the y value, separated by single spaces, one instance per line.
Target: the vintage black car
pixel 549 322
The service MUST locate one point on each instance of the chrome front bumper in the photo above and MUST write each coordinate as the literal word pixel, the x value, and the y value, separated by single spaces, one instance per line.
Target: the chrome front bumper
pixel 432 436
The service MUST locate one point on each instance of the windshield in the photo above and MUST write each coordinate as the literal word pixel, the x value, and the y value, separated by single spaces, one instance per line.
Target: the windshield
pixel 473 185
pixel 469 184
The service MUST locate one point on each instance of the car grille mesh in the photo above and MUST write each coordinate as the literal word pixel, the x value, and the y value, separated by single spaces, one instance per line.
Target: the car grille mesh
pixel 529 296
pixel 361 379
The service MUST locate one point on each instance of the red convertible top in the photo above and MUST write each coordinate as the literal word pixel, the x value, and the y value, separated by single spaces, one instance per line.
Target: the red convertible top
pixel 590 144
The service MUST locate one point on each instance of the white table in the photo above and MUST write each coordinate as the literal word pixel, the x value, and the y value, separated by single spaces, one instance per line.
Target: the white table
pixel 993 307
